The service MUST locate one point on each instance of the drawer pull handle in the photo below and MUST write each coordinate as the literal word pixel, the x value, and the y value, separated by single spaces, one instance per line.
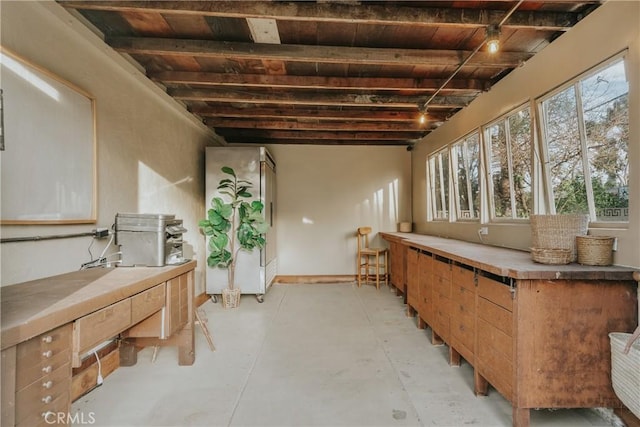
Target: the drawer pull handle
pixel 47 339
pixel 47 384
pixel 47 353
pixel 47 399
pixel 47 369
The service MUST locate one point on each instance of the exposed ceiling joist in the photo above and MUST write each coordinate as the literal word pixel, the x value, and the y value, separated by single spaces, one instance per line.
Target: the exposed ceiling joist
pixel 306 53
pixel 315 82
pixel 305 98
pixel 342 13
pixel 377 115
pixel 309 125
pixel 325 136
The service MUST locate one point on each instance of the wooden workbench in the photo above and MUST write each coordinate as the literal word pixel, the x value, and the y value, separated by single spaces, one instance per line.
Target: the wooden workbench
pixel 49 324
pixel 537 333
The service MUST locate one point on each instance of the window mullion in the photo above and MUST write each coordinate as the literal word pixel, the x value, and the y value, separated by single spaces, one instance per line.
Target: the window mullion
pixel 585 154
pixel 512 194
pixel 442 198
pixel 467 168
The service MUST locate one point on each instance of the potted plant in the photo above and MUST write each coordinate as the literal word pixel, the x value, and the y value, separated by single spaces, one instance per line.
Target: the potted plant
pixel 233 225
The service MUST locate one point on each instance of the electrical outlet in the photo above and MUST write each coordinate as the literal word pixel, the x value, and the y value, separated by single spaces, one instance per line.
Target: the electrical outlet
pixel 483 231
pixel 100 233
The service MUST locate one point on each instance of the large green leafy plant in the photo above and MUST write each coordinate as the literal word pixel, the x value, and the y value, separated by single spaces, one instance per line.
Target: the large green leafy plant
pixel 233 225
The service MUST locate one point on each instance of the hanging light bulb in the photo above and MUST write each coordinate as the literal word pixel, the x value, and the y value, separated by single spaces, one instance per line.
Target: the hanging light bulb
pixel 493 38
pixel 422 118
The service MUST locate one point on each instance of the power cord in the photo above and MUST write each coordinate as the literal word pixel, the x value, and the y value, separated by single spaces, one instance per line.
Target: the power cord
pixel 100 380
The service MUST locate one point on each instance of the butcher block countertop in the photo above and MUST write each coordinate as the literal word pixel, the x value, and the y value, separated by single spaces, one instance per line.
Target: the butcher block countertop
pixel 506 262
pixel 30 308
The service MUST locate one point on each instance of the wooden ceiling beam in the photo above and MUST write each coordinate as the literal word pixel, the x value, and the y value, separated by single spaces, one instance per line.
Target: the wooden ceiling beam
pixel 314 82
pixel 300 134
pixel 320 54
pixel 343 13
pixel 354 100
pixel 317 114
pixel 321 126
pixel 309 141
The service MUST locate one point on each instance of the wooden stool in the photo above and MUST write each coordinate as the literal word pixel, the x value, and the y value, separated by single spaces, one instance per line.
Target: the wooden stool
pixel 372 262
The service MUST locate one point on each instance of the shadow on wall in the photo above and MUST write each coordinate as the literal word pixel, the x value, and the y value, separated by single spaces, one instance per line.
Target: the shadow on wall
pixel 380 211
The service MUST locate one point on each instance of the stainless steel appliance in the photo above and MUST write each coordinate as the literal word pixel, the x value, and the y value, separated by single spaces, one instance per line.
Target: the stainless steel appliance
pixel 255 270
pixel 152 240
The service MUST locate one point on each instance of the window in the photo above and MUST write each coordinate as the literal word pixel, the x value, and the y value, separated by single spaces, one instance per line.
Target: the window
pixel 509 145
pixel 439 184
pixel 466 168
pixel 586 130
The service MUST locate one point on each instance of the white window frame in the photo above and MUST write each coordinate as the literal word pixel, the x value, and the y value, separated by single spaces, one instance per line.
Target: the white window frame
pixel 431 191
pixel 462 142
pixel 486 140
pixel 543 147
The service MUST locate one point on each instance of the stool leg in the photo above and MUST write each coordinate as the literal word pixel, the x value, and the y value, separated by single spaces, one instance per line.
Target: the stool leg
pixel 386 268
pixel 378 270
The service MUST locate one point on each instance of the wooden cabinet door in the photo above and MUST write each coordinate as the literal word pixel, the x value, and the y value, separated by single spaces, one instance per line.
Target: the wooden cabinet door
pixel 425 307
pixel 463 310
pixel 495 329
pixel 413 278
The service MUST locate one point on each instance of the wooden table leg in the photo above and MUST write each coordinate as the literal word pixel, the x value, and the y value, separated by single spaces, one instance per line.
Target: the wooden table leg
pixel 521 417
pixel 454 357
pixel 435 338
pixel 480 384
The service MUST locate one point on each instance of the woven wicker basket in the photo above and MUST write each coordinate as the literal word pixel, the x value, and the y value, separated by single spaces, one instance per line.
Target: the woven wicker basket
pixel 551 256
pixel 558 232
pixel 230 298
pixel 595 250
pixel 625 370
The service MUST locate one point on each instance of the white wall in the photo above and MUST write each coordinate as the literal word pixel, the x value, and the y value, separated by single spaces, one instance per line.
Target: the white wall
pixel 614 26
pixel 324 193
pixel 150 151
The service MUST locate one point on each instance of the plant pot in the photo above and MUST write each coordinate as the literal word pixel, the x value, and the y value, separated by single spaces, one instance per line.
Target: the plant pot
pixel 230 298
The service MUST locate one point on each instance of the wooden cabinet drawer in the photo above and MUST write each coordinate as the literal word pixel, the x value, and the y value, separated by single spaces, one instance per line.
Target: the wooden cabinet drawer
pixel 495 315
pixel 461 276
pixel 146 303
pixel 441 316
pixel 442 286
pixel 496 292
pixel 464 301
pixel 101 325
pixel 48 415
pixel 442 269
pixel 39 396
pixel 494 357
pixel 463 325
pixel 463 336
pixel 55 341
pixel 413 278
pixel 27 371
pixel 42 355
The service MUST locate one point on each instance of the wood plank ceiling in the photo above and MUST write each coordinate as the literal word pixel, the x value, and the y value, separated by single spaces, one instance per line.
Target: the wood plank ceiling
pixel 327 72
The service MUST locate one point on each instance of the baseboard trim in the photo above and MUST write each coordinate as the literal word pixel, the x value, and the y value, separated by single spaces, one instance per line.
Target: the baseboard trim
pixel 316 279
pixel 201 299
pixel 292 280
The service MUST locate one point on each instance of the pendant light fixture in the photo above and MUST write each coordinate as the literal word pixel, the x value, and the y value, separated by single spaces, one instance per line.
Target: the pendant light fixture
pixel 493 38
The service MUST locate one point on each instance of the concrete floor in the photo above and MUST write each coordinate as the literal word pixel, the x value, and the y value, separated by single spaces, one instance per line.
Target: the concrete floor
pixel 310 355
